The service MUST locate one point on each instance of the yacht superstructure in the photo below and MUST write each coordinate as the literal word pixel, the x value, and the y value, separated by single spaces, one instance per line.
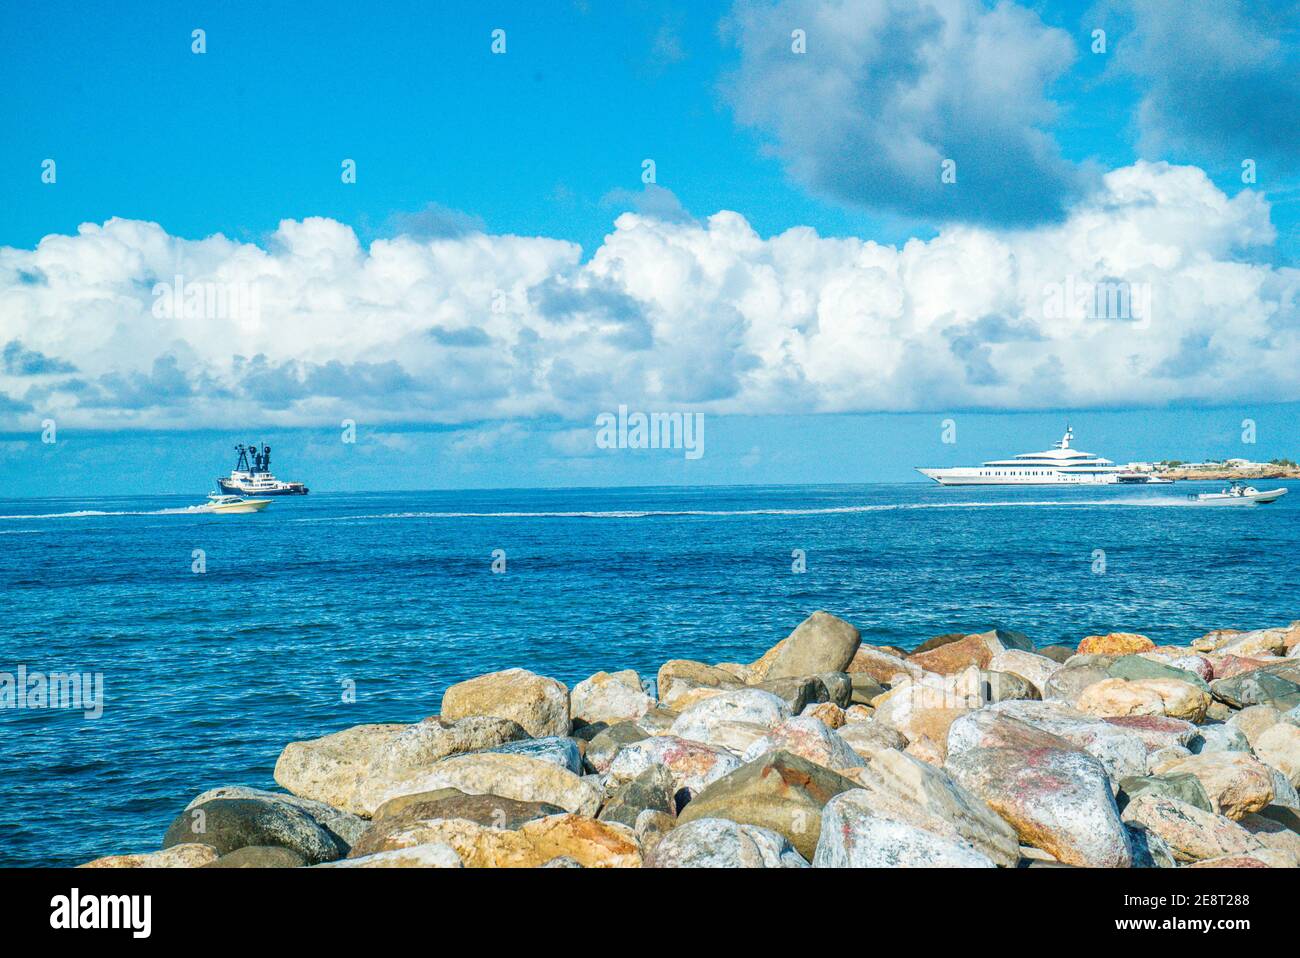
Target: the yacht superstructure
pixel 1060 465
pixel 252 475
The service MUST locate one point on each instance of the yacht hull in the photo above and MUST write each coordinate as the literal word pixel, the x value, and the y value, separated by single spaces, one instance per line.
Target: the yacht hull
pixel 239 489
pixel 972 477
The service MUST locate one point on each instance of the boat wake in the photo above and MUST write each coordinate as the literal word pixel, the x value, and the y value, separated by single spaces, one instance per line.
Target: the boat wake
pixel 724 513
pixel 93 513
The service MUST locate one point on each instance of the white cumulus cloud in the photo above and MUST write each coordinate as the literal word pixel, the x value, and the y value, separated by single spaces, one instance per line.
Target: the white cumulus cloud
pixel 666 313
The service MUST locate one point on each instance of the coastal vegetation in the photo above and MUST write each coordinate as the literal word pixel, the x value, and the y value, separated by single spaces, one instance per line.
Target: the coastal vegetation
pixel 973 750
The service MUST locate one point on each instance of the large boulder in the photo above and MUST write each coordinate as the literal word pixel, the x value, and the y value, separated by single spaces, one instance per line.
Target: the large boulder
pixel 559 750
pixel 1115 643
pixel 881 666
pixel 432 855
pixel 1263 686
pixel 721 843
pixel 1056 796
pixel 1279 746
pixel 853 836
pixel 591 843
pixel 694 765
pixel 870 738
pixel 1140 667
pixel 954 657
pixel 334 767
pixel 609 697
pixel 519 777
pixel 1236 783
pixel 900 788
pixel 1033 668
pixel 1183 787
pixel 259 856
pixel 820 643
pixel 187 855
pixel 539 704
pixel 609 742
pixel 779 791
pixel 1254 720
pixel 652 790
pixel 808 738
pixel 1078 673
pixel 1192 834
pixel 1122 751
pixel 682 682
pixel 328 769
pixel 345 827
pixel 490 811
pixel 227 824
pixel 1168 697
pixel 753 706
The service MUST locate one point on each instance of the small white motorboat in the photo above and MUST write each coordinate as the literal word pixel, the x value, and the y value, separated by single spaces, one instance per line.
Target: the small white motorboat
pixel 234 505
pixel 1238 495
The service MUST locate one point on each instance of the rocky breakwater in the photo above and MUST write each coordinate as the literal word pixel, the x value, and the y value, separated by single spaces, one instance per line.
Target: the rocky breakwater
pixel 976 751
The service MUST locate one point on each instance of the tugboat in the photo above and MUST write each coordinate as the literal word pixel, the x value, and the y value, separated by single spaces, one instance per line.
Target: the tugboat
pixel 252 475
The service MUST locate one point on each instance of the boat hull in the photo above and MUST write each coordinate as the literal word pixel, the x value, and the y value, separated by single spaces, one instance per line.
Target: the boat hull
pixel 1254 499
pixel 972 477
pixel 239 508
pixel 284 489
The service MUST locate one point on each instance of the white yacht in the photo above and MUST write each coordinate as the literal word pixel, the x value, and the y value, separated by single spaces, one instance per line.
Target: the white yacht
pixel 1060 465
pixel 252 475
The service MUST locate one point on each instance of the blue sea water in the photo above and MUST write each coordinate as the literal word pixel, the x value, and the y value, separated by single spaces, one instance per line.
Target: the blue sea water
pixel 208 675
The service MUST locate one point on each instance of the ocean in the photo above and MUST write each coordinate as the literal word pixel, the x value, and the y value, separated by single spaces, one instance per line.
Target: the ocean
pixel 208 674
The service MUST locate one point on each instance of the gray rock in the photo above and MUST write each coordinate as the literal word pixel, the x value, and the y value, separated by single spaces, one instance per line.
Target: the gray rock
pixel 1149 849
pixel 1136 667
pixel 865 688
pixel 1183 787
pixel 797 693
pixel 1259 687
pixel 228 824
pixel 1219 738
pixel 852 836
pixel 652 790
pixel 344 826
pixel 839 688
pixel 259 856
pixel 559 750
pixel 604 746
pixel 1057 653
pixel 721 843
pixel 820 643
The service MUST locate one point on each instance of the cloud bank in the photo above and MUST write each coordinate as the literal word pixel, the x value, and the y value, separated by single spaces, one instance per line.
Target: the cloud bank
pixel 313 328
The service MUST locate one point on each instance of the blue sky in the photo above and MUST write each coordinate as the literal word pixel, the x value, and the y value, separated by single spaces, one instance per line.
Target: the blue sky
pixel 499 270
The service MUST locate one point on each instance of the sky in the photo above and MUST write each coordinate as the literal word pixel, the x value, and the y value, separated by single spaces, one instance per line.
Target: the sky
pixel 472 228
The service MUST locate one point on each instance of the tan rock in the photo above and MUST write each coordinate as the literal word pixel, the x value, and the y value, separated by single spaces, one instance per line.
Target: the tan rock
pixel 1254 720
pixel 678 677
pixel 973 650
pixel 858 713
pixel 1170 697
pixel 538 703
pixel 820 643
pixel 1033 668
pixel 1115 643
pixel 1279 746
pixel 432 855
pixel 900 788
pixel 330 768
pixel 592 843
pixel 610 697
pixel 186 855
pixel 1236 783
pixel 828 713
pixel 1192 834
pixel 520 777
pixel 881 665
pixel 870 738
